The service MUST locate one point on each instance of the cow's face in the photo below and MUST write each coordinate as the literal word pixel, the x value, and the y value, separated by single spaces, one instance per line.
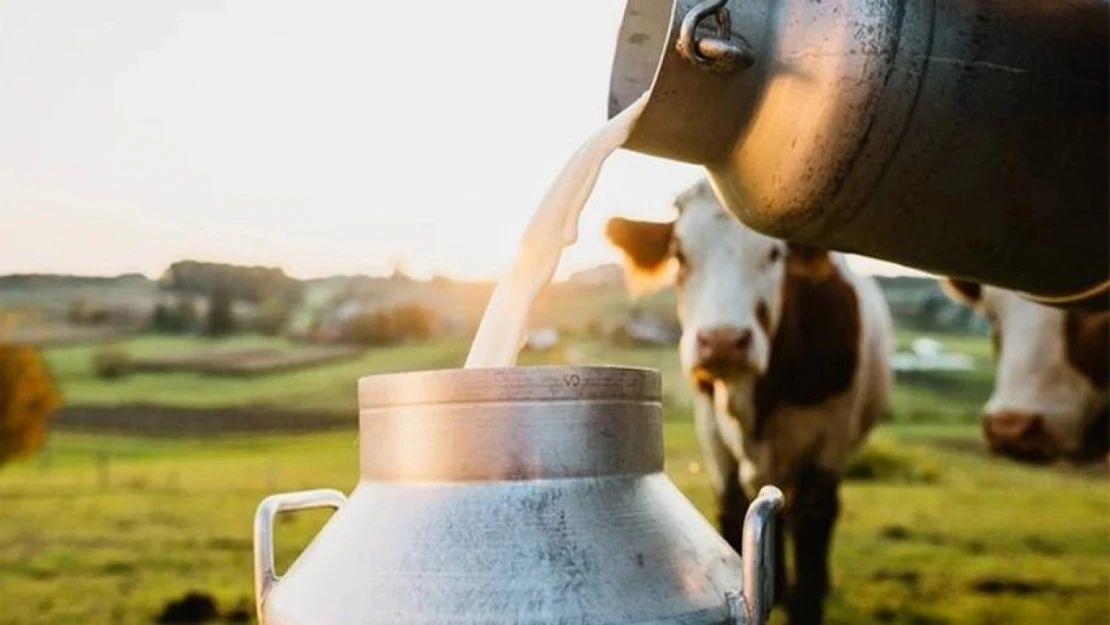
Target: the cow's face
pixel 1050 394
pixel 728 280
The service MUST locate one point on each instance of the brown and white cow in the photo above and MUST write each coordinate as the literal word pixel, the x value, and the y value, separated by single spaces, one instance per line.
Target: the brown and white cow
pixel 1050 398
pixel 789 355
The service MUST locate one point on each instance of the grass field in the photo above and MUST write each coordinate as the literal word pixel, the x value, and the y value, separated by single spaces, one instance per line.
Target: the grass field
pixel 328 387
pixel 104 529
pixel 331 387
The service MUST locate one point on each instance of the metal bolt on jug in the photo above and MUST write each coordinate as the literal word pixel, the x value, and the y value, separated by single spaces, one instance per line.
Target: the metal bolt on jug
pixel 514 495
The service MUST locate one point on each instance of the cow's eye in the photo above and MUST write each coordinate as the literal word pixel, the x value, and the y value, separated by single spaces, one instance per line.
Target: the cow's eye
pixel 775 254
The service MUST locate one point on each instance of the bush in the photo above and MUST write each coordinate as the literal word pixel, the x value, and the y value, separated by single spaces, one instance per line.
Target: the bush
pixel 181 317
pixel 390 326
pixel 373 328
pixel 187 315
pixel 220 321
pixel 29 397
pixel 411 322
pixel 272 316
pixel 111 363
pixel 163 319
pixel 84 312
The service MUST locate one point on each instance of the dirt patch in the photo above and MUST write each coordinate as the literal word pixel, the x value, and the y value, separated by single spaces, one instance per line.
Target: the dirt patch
pixel 1037 544
pixel 230 544
pixel 973 446
pixel 899 533
pixel 904 577
pixel 895 533
pixel 157 421
pixel 263 363
pixel 248 361
pixel 1003 586
pixel 890 615
pixel 198 608
pixel 239 614
pixel 195 360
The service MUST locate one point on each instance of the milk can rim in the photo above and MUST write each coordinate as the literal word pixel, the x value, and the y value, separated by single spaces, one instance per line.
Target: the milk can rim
pixel 508 384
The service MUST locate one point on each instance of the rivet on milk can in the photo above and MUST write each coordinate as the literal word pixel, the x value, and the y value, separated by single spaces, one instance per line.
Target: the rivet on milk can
pixel 514 495
pixel 961 138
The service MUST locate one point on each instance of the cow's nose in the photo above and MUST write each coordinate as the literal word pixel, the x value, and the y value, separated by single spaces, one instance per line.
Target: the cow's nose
pixel 723 349
pixel 1018 436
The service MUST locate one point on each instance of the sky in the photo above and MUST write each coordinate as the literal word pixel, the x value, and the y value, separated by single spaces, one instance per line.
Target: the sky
pixel 322 137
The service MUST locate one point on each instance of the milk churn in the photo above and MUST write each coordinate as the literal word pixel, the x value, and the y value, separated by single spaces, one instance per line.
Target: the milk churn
pixel 515 495
pixel 962 138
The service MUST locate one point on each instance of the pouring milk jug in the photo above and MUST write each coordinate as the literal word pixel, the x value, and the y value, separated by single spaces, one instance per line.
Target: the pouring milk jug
pixel 966 139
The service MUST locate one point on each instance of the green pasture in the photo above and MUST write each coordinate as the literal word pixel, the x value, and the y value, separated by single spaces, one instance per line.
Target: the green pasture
pixel 939 398
pixel 107 529
pixel 328 387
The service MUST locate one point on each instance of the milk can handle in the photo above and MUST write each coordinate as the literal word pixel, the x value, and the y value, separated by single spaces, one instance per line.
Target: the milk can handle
pixel 723 53
pixel 759 559
pixel 264 574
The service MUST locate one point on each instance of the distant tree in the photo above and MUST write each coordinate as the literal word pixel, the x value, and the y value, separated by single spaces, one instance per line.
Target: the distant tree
pixel 187 316
pixel 316 322
pixel 412 322
pixel 111 362
pixel 83 311
pixel 79 310
pixel 369 328
pixel 965 318
pixel 272 316
pixel 28 399
pixel 163 319
pixel 220 321
pixel 180 317
pixel 388 326
pixel 399 273
pixel 250 284
pixel 928 312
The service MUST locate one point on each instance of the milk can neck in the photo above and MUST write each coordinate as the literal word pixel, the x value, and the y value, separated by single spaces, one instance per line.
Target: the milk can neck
pixel 511 424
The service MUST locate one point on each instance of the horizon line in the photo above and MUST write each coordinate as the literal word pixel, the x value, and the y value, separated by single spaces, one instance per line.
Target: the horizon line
pixel 420 276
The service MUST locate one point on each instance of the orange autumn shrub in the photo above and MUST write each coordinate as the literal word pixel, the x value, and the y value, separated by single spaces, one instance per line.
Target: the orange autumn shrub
pixel 28 399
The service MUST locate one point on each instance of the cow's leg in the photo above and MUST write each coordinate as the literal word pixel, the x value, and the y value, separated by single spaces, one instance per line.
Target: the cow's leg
pixel 813 517
pixel 722 467
pixel 732 505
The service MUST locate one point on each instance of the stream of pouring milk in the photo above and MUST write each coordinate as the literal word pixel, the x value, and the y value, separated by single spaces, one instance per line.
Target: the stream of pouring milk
pixel 554 227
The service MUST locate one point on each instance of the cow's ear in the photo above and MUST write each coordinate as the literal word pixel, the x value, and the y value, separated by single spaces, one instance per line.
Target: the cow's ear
pixel 647 251
pixel 963 291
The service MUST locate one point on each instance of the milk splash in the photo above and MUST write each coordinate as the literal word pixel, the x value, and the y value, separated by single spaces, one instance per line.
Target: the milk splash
pixel 554 227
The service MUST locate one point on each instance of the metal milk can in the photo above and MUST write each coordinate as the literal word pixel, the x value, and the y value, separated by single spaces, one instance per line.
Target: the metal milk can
pixel 962 138
pixel 514 495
